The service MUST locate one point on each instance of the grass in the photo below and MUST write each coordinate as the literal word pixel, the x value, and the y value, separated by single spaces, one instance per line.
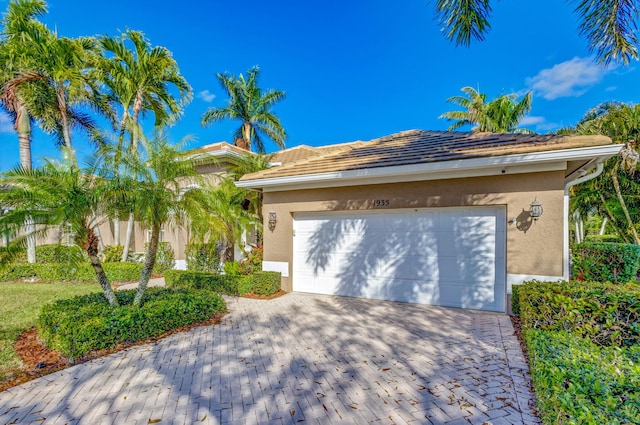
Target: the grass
pixel 21 303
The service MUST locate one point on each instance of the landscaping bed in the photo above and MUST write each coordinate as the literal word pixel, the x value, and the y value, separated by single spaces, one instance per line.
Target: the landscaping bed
pixel 583 344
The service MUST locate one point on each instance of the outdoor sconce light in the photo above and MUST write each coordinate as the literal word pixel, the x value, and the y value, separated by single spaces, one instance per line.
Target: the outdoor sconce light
pixel 535 211
pixel 273 219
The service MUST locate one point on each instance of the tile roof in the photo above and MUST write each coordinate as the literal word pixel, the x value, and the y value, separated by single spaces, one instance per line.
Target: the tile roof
pixel 419 147
pixel 219 146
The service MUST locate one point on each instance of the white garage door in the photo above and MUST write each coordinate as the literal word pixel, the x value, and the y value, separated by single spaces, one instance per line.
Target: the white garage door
pixel 442 256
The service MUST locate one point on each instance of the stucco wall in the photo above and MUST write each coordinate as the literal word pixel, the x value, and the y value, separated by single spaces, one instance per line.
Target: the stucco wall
pixel 532 248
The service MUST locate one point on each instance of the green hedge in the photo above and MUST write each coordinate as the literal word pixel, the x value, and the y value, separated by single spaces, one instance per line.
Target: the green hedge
pixel 515 300
pixel 577 382
pixel 605 262
pixel 604 238
pixel 606 313
pixel 262 283
pixel 53 253
pixel 266 283
pixel 82 324
pixel 116 272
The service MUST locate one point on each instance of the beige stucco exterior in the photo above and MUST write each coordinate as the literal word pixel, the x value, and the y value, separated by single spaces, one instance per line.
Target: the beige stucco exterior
pixel 532 248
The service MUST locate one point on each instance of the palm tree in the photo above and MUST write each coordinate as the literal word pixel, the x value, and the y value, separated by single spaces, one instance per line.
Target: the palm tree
pixel 621 122
pixel 609 26
pixel 21 26
pixel 156 178
pixel 501 115
pixel 249 105
pixel 139 78
pixel 50 196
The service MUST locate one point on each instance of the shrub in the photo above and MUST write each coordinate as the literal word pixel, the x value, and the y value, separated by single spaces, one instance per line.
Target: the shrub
pixel 266 283
pixel 577 382
pixel 165 257
pixel 116 272
pixel 229 285
pixel 112 253
pixel 253 262
pixel 203 257
pixel 54 253
pixel 605 262
pixel 604 238
pixel 231 268
pixel 515 300
pixel 606 313
pixel 81 324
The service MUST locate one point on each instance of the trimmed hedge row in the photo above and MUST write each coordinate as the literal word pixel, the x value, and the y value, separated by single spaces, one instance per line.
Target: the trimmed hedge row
pixel 578 382
pixel 56 272
pixel 605 262
pixel 82 324
pixel 608 314
pixel 261 283
pixel 53 253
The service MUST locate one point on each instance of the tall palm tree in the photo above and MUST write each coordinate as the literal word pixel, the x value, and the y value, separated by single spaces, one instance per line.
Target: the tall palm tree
pixel 609 25
pixel 249 105
pixel 501 115
pixel 20 27
pixel 50 196
pixel 140 79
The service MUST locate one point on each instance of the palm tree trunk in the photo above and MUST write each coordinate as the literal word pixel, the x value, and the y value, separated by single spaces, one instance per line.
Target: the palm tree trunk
pixel 149 262
pixel 23 128
pixel 116 232
pixel 623 205
pixel 612 219
pixel 64 122
pixel 603 226
pixel 246 135
pixel 103 280
pixel 127 239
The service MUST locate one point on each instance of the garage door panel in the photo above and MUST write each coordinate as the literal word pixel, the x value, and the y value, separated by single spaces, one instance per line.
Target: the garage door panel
pixel 445 256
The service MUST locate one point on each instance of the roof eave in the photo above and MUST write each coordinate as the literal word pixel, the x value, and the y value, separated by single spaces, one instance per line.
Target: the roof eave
pixel 473 167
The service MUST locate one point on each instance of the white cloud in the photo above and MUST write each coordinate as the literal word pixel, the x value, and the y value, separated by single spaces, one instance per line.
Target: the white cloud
pixel 6 126
pixel 206 95
pixel 571 78
pixel 529 120
pixel 611 88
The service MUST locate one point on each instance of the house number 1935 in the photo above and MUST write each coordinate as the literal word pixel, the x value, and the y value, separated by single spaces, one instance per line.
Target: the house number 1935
pixel 380 203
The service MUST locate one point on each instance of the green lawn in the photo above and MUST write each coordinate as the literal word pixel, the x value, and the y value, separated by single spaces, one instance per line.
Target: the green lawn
pixel 20 304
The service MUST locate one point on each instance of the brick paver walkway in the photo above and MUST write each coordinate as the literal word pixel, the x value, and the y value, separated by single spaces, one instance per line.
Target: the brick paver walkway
pixel 299 359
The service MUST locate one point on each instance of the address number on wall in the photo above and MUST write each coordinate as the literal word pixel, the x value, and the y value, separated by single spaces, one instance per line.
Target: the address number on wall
pixel 377 203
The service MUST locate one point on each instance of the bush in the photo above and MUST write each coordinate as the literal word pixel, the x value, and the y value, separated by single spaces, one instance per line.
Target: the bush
pixel 253 262
pixel 231 268
pixel 54 253
pixel 604 238
pixel 51 273
pixel 266 283
pixel 606 313
pixel 577 382
pixel 224 284
pixel 165 257
pixel 605 262
pixel 515 300
pixel 113 253
pixel 203 257
pixel 82 324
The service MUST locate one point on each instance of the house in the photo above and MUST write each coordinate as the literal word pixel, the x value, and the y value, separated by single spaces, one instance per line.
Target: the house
pixel 430 217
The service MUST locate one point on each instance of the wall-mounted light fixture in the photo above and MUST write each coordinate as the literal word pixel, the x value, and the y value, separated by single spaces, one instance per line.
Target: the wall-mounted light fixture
pixel 535 210
pixel 273 219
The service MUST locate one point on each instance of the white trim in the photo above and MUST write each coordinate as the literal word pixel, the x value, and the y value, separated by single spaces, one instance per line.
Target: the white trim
pixel 276 266
pixel 473 167
pixel 519 279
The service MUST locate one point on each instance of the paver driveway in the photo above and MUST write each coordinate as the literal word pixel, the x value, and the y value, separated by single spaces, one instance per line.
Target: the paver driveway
pixel 299 359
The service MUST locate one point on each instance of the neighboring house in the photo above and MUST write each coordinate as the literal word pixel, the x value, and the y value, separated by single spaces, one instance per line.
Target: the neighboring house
pixel 423 216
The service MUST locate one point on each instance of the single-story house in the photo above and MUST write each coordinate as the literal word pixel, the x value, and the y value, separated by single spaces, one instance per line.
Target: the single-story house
pixel 432 217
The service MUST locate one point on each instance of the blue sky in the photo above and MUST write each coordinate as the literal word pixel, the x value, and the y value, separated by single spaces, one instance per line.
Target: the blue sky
pixel 353 70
